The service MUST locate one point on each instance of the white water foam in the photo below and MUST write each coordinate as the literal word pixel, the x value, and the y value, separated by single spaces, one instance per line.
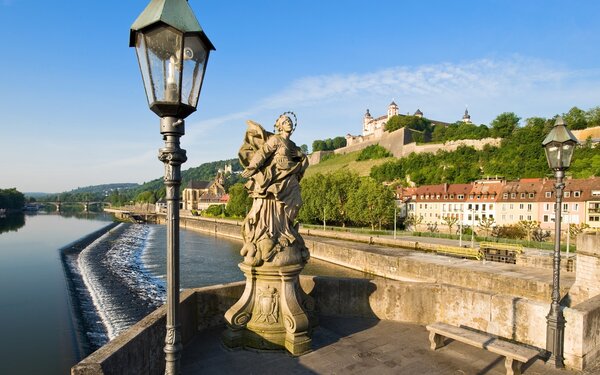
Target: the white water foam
pixel 121 269
pixel 90 280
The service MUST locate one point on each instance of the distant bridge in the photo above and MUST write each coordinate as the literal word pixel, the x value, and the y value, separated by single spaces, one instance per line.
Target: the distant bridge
pixel 86 204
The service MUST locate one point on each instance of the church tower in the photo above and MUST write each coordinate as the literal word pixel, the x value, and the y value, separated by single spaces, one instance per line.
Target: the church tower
pixel 366 120
pixel 392 110
pixel 466 117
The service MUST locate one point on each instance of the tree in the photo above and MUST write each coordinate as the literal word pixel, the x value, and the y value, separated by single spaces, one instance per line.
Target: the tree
pixel 411 122
pixel 342 183
pixel 528 226
pixel 504 124
pixel 487 224
pixel 508 231
pixel 450 221
pixel 215 210
pixel 575 119
pixel 575 229
pixel 11 199
pixel 304 149
pixel 372 203
pixel 373 152
pixel 540 235
pixel 593 116
pixel 146 197
pixel 413 221
pixel 338 142
pixel 239 201
pixel 317 206
pixel 432 227
pixel 319 145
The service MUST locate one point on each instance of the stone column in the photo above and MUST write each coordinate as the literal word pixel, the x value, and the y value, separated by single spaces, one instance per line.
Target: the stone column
pixel 587 274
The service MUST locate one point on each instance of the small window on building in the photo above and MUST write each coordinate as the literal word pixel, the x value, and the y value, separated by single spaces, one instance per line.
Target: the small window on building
pixel 576 194
pixel 548 194
pixel 451 196
pixel 567 194
pixel 565 207
pixel 513 195
pixel 595 193
pixel 545 218
pixel 461 196
pixel 521 206
pixel 531 195
pixel 522 195
pixel 505 196
pixel 529 207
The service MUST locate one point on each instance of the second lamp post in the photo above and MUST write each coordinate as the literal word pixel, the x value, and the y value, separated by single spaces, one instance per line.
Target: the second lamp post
pixel 559 145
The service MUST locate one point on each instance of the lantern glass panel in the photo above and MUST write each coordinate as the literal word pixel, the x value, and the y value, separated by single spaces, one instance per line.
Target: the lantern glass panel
pixel 553 155
pixel 566 154
pixel 162 64
pixel 140 50
pixel 195 56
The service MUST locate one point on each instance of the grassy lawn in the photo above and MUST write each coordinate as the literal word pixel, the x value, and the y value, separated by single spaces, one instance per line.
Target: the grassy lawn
pixel 346 161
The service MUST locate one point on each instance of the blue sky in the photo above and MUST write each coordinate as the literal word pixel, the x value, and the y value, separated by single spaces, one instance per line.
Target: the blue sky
pixel 73 111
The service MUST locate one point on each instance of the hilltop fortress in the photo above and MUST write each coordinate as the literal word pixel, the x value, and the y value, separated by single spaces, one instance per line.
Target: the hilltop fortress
pixel 399 143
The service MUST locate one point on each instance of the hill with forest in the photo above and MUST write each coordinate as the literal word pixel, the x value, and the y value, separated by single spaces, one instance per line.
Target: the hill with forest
pixel 519 155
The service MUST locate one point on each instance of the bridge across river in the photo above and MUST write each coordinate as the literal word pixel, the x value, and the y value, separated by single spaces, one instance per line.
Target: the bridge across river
pixel 86 204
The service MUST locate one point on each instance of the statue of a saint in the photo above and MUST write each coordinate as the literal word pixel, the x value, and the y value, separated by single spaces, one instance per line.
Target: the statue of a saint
pixel 273 312
pixel 274 166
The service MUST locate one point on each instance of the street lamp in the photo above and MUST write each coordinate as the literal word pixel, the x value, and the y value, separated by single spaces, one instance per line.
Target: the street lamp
pixel 172 52
pixel 559 145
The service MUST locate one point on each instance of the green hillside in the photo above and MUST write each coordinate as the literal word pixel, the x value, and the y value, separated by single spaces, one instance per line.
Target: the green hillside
pixel 346 161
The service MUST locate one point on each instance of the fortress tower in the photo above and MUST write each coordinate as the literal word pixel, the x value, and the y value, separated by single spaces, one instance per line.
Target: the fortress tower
pixel 392 110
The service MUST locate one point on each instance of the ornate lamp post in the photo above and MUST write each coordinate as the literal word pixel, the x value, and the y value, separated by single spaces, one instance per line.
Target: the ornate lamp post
pixel 559 145
pixel 172 51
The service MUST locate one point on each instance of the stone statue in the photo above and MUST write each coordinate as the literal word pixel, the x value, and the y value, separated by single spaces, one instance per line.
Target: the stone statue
pixel 273 312
pixel 274 166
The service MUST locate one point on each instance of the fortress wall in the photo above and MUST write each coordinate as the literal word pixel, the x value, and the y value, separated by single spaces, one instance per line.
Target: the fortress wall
pixel 317 156
pixel 356 147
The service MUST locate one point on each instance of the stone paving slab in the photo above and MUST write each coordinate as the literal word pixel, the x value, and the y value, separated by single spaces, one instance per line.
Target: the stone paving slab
pixel 354 346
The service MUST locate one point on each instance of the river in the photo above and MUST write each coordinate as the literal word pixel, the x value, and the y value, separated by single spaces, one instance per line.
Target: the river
pixel 44 325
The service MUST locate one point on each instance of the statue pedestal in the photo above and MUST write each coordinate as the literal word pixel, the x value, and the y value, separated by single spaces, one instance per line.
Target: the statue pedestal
pixel 272 312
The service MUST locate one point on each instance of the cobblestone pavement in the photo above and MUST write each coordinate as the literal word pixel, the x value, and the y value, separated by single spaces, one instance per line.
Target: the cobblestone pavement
pixel 355 346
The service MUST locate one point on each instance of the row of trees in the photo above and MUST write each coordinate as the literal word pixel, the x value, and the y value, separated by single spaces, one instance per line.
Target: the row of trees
pixel 11 199
pixel 529 230
pixel 344 198
pixel 328 144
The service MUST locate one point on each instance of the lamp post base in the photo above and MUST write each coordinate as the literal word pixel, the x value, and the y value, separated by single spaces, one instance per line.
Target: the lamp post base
pixel 272 312
pixel 555 331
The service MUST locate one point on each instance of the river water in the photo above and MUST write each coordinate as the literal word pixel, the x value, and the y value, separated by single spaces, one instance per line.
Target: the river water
pixel 114 282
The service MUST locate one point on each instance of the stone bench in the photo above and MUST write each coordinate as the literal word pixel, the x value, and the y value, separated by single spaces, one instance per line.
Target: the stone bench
pixel 516 355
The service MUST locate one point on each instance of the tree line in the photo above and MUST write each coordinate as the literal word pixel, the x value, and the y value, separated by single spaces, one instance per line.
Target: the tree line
pixel 11 199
